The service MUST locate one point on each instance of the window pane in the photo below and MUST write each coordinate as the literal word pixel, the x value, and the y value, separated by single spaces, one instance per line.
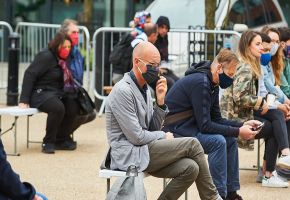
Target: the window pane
pixel 272 12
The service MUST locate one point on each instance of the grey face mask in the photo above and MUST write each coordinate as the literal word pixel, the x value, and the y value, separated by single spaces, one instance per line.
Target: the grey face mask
pixel 274 49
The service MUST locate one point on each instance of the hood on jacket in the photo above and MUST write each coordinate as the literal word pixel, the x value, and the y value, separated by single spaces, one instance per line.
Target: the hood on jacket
pixel 163 20
pixel 203 66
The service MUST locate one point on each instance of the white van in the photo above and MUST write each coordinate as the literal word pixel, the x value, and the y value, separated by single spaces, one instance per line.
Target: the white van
pixel 183 14
pixel 253 13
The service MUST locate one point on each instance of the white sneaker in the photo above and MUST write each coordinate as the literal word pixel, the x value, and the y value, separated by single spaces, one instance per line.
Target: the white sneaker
pixel 284 162
pixel 219 197
pixel 274 173
pixel 274 182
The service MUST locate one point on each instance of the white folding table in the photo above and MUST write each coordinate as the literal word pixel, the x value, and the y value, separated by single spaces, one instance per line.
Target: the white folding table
pixel 17 112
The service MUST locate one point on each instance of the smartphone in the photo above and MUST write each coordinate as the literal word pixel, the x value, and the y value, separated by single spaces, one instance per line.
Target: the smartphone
pixel 259 127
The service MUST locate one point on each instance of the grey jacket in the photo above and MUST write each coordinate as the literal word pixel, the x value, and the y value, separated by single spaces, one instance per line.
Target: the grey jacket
pixel 131 124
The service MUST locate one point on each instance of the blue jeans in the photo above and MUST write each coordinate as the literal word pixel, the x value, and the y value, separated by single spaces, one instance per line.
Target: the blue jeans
pixel 223 161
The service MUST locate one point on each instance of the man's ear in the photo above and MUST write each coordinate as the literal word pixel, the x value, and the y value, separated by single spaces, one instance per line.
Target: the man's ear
pixel 219 68
pixel 136 61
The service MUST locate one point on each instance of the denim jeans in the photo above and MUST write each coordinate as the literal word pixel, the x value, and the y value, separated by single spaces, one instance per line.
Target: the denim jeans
pixel 223 161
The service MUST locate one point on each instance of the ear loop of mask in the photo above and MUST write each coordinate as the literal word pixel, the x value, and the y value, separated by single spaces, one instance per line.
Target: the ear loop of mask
pixel 139 68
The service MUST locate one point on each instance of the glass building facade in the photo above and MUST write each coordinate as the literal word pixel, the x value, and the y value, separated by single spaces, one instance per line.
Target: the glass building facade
pixel 103 12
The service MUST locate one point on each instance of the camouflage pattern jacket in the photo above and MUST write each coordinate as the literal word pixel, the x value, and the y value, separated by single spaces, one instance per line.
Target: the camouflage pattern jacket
pixel 240 100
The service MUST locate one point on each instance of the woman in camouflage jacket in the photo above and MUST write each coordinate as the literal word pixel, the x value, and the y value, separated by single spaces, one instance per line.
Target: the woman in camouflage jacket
pixel 240 101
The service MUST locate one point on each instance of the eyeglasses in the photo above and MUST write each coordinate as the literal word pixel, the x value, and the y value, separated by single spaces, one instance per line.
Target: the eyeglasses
pixel 155 65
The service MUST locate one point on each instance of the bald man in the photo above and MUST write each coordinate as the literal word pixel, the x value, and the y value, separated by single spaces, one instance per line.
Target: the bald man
pixel 133 129
pixel 150 34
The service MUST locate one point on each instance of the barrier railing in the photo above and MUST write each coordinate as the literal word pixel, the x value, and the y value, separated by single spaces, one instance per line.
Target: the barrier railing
pixel 35 36
pixel 5 31
pixel 185 46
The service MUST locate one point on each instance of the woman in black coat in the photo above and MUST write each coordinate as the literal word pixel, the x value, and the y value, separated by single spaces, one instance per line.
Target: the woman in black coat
pixel 47 83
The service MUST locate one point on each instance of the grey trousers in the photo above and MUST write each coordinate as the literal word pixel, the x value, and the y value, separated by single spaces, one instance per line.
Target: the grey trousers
pixel 183 160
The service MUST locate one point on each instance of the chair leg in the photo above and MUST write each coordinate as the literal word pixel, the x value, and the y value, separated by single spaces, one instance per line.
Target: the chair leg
pixel 108 184
pixel 258 156
pixel 102 108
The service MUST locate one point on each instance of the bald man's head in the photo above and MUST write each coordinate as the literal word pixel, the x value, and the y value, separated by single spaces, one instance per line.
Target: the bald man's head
pixel 144 53
pixel 147 52
pixel 151 30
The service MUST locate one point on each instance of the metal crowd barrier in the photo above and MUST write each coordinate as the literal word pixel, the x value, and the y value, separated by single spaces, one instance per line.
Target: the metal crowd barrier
pixel 103 41
pixel 5 31
pixel 185 47
pixel 35 36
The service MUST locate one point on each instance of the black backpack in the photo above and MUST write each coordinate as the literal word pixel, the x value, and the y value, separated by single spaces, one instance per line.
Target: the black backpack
pixel 121 56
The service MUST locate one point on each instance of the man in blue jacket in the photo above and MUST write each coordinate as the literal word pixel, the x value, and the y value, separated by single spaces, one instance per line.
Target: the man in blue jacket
pixel 10 185
pixel 76 65
pixel 193 103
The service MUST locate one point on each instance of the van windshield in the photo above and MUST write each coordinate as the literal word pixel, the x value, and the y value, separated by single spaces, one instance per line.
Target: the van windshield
pixel 181 13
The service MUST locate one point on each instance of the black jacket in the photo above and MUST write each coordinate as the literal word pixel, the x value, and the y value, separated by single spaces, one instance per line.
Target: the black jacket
pixel 162 45
pixel 10 185
pixel 197 92
pixel 42 80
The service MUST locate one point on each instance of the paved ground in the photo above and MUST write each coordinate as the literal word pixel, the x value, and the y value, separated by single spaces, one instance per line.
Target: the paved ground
pixel 74 175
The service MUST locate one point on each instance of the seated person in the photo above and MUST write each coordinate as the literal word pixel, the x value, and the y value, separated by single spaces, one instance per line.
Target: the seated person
pixel 45 83
pixel 285 45
pixel 76 65
pixel 193 102
pixel 134 135
pixel 10 185
pixel 246 99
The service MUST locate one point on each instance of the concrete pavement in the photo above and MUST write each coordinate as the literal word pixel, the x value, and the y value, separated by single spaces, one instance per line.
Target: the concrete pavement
pixel 74 174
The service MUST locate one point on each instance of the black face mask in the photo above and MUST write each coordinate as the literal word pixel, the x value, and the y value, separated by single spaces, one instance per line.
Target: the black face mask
pixel 151 76
pixel 225 81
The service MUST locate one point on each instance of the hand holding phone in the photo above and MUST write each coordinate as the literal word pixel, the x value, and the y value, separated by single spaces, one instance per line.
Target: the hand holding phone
pixel 259 127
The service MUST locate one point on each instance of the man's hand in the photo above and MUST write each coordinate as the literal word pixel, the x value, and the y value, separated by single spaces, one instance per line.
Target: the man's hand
pixel 247 133
pixel 168 136
pixel 23 105
pixel 252 123
pixel 161 89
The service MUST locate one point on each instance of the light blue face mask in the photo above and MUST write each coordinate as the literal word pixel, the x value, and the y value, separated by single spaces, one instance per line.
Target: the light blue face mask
pixel 265 58
pixel 274 49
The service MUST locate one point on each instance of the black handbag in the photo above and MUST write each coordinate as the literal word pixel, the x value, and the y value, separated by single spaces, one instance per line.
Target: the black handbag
pixel 86 103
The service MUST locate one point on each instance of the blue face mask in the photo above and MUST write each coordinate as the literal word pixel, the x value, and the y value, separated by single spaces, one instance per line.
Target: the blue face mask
pixel 265 58
pixel 225 80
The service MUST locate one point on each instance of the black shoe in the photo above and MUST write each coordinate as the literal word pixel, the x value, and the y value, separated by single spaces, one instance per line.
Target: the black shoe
pixel 234 196
pixel 48 148
pixel 66 145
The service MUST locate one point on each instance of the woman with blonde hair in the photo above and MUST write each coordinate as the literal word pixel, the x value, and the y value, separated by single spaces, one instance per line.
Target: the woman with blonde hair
pixel 241 101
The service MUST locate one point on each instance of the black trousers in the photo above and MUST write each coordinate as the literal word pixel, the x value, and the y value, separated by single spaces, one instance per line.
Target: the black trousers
pixel 275 133
pixel 61 114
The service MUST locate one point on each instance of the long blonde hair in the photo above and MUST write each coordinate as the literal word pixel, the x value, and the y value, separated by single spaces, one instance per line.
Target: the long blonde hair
pixel 277 60
pixel 245 53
